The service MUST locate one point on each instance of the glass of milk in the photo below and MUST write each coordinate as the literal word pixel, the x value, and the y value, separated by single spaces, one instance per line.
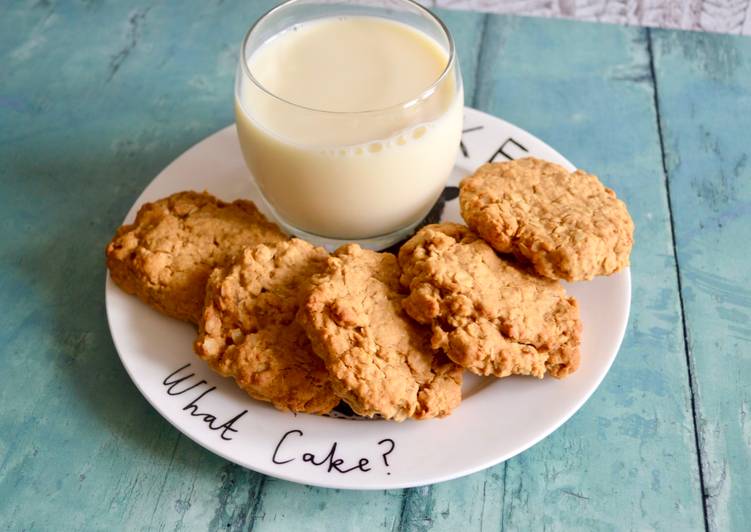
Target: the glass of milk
pixel 349 116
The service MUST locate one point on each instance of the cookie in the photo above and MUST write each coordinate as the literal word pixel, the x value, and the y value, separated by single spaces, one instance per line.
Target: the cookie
pixel 488 314
pixel 566 224
pixel 380 360
pixel 167 254
pixel 248 329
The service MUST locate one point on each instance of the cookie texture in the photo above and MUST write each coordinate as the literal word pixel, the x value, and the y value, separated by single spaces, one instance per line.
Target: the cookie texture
pixel 248 329
pixel 165 256
pixel 568 225
pixel 381 362
pixel 489 314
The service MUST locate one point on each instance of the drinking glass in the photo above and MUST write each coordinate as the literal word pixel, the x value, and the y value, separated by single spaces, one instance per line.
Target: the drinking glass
pixel 370 176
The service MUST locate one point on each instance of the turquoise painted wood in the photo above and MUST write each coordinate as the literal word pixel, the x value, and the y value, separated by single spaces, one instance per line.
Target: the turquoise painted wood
pixel 704 96
pixel 97 97
pixel 628 458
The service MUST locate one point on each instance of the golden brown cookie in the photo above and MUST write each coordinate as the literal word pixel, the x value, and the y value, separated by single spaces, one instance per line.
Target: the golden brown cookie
pixel 488 314
pixel 380 360
pixel 566 224
pixel 248 330
pixel 167 254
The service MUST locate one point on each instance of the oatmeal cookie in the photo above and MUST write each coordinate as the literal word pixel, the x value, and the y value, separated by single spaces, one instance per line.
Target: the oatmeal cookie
pixel 381 361
pixel 490 315
pixel 167 254
pixel 566 224
pixel 248 329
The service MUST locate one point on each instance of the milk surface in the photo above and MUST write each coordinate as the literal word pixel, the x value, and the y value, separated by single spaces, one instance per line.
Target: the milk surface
pixel 335 137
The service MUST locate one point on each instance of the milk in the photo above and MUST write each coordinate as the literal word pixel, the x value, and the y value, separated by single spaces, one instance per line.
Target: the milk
pixel 331 136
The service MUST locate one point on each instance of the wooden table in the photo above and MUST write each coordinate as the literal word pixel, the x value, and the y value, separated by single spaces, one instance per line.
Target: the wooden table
pixel 97 97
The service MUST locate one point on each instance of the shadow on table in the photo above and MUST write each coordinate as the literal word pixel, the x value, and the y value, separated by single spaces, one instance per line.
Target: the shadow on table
pixel 68 207
pixel 66 213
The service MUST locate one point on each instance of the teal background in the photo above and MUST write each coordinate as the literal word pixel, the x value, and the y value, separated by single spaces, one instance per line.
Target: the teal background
pixel 96 97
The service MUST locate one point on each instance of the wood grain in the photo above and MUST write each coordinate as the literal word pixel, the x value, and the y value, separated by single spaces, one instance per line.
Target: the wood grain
pixel 724 16
pixel 704 104
pixel 100 96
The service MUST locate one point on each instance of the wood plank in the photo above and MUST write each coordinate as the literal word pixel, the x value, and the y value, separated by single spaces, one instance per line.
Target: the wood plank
pixel 627 460
pixel 289 506
pixel 472 503
pixel 704 105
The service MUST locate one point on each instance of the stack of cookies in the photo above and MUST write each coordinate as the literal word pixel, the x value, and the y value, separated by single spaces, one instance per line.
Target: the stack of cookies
pixel 390 336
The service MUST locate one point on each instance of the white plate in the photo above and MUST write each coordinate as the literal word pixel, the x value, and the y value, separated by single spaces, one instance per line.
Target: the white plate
pixel 497 419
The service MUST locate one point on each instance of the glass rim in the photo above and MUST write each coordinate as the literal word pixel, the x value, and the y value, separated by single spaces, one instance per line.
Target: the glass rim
pixel 401 105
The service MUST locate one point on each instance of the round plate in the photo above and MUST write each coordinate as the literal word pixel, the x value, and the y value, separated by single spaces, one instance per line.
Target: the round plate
pixel 496 420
